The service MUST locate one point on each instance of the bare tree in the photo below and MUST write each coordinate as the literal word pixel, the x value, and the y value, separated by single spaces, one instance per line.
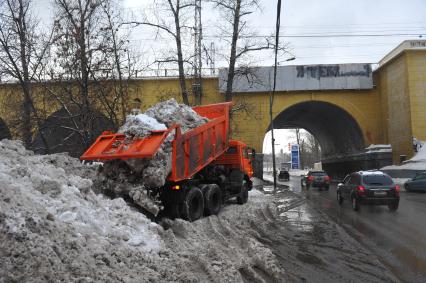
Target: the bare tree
pixel 170 17
pixel 235 13
pixel 22 50
pixel 309 148
pixel 118 62
pixel 298 134
pixel 90 57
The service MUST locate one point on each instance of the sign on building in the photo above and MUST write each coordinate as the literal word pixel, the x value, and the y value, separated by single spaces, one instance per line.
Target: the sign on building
pixel 295 161
pixel 302 77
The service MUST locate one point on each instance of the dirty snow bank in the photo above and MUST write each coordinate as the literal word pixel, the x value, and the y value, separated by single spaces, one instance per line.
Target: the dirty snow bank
pixel 224 248
pixel 148 174
pixel 53 228
pixel 418 162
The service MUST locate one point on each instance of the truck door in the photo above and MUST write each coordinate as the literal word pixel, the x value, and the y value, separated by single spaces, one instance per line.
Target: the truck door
pixel 249 155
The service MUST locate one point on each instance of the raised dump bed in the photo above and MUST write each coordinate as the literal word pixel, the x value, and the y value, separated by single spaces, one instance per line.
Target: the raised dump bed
pixel 191 152
pixel 207 168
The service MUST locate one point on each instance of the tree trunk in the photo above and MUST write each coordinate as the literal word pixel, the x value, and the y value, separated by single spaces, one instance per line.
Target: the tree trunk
pixel 180 59
pixel 232 58
pixel 84 88
pixel 119 72
pixel 26 104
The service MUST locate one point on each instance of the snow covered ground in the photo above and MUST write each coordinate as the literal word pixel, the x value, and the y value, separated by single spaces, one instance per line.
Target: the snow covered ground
pixel 53 227
pixel 418 162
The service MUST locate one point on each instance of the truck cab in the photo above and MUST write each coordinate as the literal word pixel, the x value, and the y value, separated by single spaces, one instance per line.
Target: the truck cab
pixel 239 157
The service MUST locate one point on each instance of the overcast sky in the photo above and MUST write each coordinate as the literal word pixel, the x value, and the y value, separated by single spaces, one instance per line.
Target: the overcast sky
pixel 336 22
pixel 317 31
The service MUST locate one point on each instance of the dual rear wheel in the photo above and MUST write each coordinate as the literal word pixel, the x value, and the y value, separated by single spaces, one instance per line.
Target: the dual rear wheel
pixel 197 202
pixel 207 201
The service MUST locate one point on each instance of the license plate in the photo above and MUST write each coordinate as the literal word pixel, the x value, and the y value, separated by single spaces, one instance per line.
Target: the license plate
pixel 380 194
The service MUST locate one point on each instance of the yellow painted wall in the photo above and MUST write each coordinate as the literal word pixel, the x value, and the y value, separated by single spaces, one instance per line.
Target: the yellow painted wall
pixel 251 126
pixel 394 89
pixel 392 112
pixel 416 72
pixel 152 90
pixel 251 122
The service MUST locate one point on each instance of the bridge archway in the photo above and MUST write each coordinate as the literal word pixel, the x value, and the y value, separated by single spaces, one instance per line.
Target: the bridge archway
pixel 335 129
pixel 4 130
pixel 61 135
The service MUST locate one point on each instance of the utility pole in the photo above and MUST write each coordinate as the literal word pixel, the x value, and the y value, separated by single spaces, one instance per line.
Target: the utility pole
pixel 271 98
pixel 198 36
pixel 213 58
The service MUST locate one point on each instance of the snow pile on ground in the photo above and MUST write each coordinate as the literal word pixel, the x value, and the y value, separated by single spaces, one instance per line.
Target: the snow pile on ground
pixel 54 228
pixel 148 174
pixel 421 154
pixel 418 162
pixel 51 221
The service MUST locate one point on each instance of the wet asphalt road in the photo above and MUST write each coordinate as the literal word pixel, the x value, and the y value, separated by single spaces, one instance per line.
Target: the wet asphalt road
pixel 397 238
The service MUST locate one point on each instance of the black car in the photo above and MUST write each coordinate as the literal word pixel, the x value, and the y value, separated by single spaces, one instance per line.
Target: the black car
pixel 418 183
pixel 319 179
pixel 283 175
pixel 369 187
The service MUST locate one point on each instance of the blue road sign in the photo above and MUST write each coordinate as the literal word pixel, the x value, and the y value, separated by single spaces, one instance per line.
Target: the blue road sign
pixel 295 163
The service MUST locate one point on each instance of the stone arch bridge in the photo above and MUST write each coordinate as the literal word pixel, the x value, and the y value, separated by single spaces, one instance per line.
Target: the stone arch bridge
pixel 347 107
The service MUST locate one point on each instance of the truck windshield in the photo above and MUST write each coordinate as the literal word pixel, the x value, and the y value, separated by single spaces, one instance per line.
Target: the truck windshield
pixel 377 180
pixel 232 150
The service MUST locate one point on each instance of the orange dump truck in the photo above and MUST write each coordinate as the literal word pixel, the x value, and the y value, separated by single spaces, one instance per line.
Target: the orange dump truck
pixel 207 167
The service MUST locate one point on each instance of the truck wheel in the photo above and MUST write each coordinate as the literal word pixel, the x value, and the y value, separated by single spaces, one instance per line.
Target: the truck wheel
pixel 193 204
pixel 212 200
pixel 243 197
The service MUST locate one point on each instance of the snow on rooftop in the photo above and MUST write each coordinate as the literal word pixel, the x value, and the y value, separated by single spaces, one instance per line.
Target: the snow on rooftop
pixel 372 172
pixel 379 148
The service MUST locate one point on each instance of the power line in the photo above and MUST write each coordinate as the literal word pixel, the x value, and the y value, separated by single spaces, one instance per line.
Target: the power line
pixel 322 35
